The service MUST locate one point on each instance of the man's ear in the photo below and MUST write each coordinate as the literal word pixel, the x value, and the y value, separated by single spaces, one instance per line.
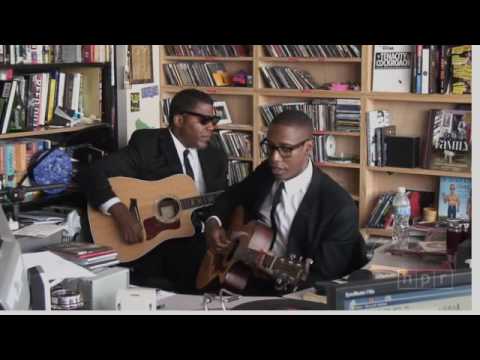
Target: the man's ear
pixel 309 147
pixel 178 120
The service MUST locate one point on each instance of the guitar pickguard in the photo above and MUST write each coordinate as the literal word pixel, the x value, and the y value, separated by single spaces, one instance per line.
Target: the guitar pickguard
pixel 153 227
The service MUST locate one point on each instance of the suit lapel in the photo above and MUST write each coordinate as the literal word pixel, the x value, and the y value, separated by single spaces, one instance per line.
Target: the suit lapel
pixel 300 235
pixel 170 152
pixel 205 164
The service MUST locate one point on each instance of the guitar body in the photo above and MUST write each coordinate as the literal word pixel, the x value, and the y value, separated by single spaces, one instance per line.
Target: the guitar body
pixel 156 204
pixel 227 269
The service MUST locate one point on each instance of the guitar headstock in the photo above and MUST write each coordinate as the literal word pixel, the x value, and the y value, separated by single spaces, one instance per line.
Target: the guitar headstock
pixel 288 272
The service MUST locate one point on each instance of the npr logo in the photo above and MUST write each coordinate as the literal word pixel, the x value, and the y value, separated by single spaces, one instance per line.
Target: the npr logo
pixel 423 280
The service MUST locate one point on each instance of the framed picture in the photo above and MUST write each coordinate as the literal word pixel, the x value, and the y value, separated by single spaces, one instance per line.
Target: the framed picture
pixel 141 64
pixel 221 109
pixel 454 198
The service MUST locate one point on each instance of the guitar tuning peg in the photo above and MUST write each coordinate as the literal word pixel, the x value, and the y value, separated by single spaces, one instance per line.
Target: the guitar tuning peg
pixel 300 259
pixel 292 257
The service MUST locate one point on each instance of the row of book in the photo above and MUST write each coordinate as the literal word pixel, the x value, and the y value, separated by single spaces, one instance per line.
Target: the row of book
pixel 208 50
pixel 326 114
pixel 90 256
pixel 287 77
pixel 423 69
pixel 237 171
pixel 235 144
pixel 29 100
pixel 380 216
pixel 197 74
pixel 327 51
pixel 447 143
pixel 15 157
pixel 55 54
pixel 324 150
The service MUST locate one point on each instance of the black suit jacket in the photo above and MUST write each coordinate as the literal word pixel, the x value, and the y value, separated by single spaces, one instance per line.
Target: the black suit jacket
pixel 325 227
pixel 150 155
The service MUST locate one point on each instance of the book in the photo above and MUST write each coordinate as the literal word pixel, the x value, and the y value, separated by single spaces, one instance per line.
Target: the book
pixel 392 68
pixel 462 69
pixel 451 147
pixel 454 198
pixel 375 119
pixel 79 248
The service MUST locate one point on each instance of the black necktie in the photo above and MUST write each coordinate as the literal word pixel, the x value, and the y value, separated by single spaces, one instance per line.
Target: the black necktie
pixel 276 200
pixel 188 167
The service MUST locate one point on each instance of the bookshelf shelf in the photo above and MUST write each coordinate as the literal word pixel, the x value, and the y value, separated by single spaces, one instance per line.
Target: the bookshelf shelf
pixel 240 158
pixel 337 133
pixel 50 131
pixel 212 90
pixel 379 232
pixel 209 58
pixel 309 60
pixel 52 65
pixel 418 171
pixel 338 165
pixel 428 98
pixel 235 127
pixel 309 93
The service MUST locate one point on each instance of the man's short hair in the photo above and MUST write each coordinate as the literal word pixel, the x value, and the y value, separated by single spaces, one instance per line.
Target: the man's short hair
pixel 186 100
pixel 294 118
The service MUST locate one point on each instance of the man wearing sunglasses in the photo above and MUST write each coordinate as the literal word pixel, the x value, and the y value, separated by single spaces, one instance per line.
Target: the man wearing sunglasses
pixel 154 154
pixel 310 214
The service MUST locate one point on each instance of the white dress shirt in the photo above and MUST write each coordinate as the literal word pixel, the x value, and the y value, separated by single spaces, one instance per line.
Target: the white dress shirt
pixel 194 162
pixel 291 198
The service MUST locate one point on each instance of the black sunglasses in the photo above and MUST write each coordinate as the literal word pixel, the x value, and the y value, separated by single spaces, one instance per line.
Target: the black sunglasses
pixel 285 151
pixel 204 119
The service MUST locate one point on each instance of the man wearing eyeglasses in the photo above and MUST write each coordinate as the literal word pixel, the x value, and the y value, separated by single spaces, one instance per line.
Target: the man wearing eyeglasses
pixel 154 154
pixel 309 213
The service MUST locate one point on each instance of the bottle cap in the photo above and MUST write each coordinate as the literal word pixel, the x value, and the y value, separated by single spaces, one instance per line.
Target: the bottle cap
pixel 402 190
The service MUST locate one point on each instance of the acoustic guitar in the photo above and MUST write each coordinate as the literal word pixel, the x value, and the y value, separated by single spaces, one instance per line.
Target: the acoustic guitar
pixel 248 250
pixel 163 208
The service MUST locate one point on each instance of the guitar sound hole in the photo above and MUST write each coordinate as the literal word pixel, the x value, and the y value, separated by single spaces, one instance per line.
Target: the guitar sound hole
pixel 168 209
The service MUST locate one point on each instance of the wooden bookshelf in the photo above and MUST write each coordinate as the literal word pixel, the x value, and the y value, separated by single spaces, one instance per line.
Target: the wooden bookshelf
pixel 309 59
pixel 419 171
pixel 50 131
pixel 208 58
pixel 363 182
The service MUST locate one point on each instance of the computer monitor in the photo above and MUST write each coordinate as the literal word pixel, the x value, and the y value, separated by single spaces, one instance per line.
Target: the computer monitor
pixel 439 290
pixel 14 286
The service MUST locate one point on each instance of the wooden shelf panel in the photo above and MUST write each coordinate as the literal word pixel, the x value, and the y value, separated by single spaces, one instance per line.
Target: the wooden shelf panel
pixel 50 66
pixel 208 58
pixel 379 232
pixel 337 133
pixel 45 131
pixel 309 93
pixel 310 59
pixel 211 90
pixel 235 127
pixel 240 158
pixel 338 165
pixel 407 97
pixel 418 171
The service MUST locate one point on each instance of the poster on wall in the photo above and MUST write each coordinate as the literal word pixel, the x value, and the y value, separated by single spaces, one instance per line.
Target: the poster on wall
pixel 141 64
pixel 134 102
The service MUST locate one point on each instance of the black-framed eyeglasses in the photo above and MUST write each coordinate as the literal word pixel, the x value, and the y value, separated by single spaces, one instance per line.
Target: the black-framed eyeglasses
pixel 285 151
pixel 204 119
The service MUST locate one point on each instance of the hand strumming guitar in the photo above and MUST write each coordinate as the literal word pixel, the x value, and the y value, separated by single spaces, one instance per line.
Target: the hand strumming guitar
pixel 217 240
pixel 129 227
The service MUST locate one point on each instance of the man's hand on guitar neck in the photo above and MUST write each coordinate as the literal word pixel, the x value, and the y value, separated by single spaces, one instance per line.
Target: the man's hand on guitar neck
pixel 129 227
pixel 217 239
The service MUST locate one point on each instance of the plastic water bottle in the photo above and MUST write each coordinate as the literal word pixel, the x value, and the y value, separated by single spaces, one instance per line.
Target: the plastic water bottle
pixel 401 210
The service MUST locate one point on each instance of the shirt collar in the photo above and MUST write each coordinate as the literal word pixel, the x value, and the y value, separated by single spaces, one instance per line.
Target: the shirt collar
pixel 179 146
pixel 301 181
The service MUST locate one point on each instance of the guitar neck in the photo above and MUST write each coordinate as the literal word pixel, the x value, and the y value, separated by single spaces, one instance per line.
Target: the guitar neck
pixel 199 201
pixel 250 257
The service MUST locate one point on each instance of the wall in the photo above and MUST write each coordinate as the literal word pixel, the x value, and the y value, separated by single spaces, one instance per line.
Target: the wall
pixel 149 109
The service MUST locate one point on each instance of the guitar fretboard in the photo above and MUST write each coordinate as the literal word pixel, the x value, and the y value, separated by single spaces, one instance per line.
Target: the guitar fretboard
pixel 199 201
